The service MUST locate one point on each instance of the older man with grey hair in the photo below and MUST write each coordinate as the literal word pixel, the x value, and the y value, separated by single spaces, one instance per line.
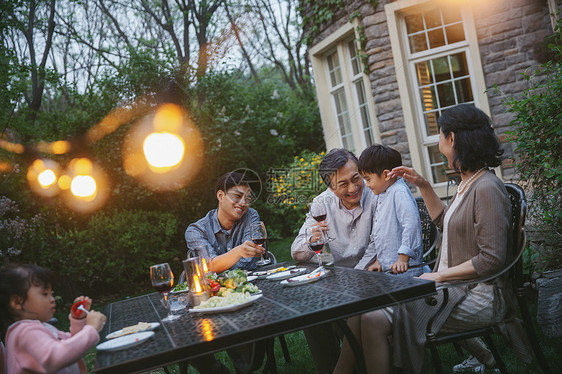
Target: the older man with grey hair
pixel 350 209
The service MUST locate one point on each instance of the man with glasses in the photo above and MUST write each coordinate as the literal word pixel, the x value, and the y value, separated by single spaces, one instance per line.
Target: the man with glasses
pixel 350 209
pixel 226 230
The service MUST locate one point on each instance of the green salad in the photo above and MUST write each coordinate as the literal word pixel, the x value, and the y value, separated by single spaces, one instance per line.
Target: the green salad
pixel 180 287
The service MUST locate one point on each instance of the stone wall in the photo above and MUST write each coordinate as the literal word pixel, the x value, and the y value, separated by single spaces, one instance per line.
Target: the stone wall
pixel 507 31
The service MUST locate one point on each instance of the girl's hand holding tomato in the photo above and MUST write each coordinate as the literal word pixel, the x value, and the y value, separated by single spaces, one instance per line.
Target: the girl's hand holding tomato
pixel 80 300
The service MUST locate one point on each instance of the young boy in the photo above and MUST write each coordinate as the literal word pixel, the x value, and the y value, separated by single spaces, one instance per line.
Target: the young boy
pixel 396 235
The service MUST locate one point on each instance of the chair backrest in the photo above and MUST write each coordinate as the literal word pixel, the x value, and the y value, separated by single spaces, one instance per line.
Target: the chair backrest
pixel 518 234
pixel 430 234
pixel 271 257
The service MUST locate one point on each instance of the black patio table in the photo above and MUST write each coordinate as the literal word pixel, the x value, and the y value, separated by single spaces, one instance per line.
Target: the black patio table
pixel 343 293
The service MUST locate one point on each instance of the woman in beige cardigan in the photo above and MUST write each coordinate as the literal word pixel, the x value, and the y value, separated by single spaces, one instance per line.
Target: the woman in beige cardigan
pixel 475 230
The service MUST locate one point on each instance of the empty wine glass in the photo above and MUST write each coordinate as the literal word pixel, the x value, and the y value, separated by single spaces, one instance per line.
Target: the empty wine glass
pixel 315 239
pixel 162 280
pixel 318 212
pixel 259 237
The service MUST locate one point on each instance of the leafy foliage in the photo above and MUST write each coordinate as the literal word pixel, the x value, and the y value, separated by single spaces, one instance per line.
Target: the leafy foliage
pixel 538 136
pixel 292 187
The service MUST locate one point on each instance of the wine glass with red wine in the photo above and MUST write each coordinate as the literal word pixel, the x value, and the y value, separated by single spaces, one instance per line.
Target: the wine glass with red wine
pixel 315 239
pixel 162 280
pixel 259 237
pixel 318 212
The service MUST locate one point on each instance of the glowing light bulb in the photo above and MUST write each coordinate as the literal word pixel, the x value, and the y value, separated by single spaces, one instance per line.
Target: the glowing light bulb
pixel 163 149
pixel 47 178
pixel 83 186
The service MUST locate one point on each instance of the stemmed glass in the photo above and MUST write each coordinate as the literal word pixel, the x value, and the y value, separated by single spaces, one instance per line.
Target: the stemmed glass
pixel 315 239
pixel 259 236
pixel 162 280
pixel 318 212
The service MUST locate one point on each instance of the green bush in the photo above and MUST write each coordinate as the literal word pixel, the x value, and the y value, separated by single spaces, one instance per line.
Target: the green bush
pixel 537 133
pixel 112 253
pixel 290 189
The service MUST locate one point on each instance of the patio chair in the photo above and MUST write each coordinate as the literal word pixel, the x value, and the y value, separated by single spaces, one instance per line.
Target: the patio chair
pixel 514 272
pixel 430 237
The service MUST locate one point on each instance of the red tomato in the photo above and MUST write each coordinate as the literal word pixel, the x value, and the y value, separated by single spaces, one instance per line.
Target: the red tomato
pixel 74 309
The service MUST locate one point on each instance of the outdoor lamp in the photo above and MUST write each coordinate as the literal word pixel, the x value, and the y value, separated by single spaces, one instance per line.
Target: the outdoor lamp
pixel 42 176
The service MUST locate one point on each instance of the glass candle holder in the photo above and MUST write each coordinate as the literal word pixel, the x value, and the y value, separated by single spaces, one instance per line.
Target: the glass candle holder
pixel 204 257
pixel 198 288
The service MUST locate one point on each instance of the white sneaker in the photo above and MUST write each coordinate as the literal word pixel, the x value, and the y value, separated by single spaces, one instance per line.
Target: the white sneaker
pixel 471 364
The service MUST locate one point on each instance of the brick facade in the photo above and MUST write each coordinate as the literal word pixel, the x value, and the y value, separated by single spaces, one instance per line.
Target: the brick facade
pixel 507 31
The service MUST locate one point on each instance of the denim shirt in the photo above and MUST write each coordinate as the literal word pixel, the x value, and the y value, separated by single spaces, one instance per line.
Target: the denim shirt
pixel 396 228
pixel 208 231
pixel 351 231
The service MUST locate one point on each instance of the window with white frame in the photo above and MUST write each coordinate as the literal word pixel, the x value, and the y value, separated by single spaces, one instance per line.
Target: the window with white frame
pixel 348 97
pixel 437 54
pixel 438 48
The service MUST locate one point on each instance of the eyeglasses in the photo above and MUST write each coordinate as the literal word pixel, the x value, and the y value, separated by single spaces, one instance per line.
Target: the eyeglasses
pixel 241 199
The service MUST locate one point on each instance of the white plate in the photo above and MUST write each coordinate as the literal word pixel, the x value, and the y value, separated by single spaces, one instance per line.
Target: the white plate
pixel 265 273
pixel 125 341
pixel 116 334
pixel 229 308
pixel 302 279
pixel 286 274
pixel 251 278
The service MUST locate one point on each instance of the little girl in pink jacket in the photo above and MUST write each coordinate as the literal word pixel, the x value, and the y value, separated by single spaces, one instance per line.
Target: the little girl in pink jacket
pixel 33 345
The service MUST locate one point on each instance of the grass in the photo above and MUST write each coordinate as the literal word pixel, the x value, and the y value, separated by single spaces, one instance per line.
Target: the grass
pixel 281 249
pixel 301 360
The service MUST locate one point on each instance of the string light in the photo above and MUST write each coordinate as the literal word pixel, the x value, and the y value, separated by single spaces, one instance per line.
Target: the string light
pixel 164 149
pixel 84 185
pixel 42 177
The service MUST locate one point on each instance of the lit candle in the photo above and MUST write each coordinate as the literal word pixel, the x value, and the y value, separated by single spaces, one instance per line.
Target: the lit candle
pixel 205 266
pixel 197 284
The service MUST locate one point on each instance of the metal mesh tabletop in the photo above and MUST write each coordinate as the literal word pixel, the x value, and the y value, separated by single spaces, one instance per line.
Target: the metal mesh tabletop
pixel 344 292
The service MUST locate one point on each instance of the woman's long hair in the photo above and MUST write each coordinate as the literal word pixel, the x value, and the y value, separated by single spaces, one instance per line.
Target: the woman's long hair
pixel 476 145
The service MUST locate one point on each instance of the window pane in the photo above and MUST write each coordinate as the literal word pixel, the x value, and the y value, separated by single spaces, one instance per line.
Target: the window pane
pixel 432 18
pixel 414 23
pixel 431 126
pixel 459 65
pixel 364 112
pixel 423 70
pixel 441 67
pixel 436 38
pixel 428 98
pixel 451 15
pixel 455 33
pixel 418 43
pixel 334 69
pixel 437 164
pixel 353 57
pixel 446 94
pixel 464 90
pixel 343 119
